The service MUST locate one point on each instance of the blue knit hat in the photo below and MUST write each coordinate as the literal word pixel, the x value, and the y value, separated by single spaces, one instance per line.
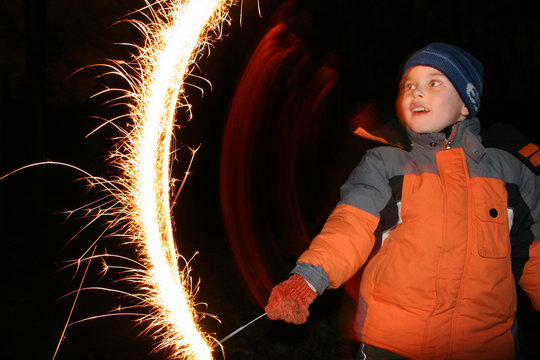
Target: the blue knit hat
pixel 460 67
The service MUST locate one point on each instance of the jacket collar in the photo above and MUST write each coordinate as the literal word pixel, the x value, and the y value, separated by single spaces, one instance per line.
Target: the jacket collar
pixel 466 135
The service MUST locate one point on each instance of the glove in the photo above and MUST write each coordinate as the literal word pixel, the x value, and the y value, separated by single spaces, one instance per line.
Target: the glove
pixel 289 301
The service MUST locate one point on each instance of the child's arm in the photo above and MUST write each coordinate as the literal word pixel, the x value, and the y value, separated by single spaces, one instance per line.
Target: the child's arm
pixel 341 248
pixel 530 279
pixel 344 243
pixel 348 236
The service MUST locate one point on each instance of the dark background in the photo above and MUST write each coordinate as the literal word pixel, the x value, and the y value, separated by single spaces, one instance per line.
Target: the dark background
pixel 47 109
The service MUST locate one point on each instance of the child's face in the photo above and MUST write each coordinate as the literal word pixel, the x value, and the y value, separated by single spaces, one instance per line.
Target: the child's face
pixel 427 101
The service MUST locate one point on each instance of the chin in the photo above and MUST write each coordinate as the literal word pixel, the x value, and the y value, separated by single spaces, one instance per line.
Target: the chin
pixel 420 129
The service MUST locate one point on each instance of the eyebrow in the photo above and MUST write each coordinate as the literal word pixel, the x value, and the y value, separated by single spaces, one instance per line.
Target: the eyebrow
pixel 430 74
pixel 436 73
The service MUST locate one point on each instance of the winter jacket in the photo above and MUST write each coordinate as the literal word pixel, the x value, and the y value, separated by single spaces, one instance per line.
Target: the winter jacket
pixel 457 224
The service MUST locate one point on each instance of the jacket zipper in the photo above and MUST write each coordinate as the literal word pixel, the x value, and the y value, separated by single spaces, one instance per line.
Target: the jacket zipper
pixel 448 142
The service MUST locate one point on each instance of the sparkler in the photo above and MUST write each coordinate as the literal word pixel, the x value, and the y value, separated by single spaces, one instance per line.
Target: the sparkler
pixel 177 34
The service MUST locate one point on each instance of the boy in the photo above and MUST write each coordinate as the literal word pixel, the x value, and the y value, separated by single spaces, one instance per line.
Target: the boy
pixel 457 224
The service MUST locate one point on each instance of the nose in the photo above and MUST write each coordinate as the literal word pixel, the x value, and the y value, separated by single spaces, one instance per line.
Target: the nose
pixel 417 92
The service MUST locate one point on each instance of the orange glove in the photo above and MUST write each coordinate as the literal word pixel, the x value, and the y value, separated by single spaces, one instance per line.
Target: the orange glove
pixel 289 301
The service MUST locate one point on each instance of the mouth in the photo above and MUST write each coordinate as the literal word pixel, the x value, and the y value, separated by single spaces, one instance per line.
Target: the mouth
pixel 416 109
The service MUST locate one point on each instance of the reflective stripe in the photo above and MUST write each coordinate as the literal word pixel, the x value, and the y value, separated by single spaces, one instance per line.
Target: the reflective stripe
pixel 510 217
pixel 385 233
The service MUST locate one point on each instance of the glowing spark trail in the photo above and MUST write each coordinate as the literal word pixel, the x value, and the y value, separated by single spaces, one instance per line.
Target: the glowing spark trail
pixel 178 33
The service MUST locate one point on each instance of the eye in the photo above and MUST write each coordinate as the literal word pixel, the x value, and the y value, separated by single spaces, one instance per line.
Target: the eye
pixel 434 83
pixel 408 86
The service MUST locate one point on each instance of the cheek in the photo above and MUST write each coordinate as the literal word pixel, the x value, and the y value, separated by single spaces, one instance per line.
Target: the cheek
pixel 451 103
pixel 454 107
pixel 400 106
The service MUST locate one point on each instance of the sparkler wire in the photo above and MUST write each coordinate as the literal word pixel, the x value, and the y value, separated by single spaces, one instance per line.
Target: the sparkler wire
pixel 237 331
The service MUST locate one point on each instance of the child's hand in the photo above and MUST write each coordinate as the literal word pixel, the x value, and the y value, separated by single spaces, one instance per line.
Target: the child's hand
pixel 289 301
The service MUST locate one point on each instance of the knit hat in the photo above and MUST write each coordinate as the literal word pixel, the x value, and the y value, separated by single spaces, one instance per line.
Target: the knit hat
pixel 460 67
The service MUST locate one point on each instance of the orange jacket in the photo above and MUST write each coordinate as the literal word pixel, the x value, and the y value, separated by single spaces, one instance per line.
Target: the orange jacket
pixel 459 224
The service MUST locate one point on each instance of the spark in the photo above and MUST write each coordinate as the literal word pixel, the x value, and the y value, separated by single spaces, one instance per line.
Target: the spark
pixel 138 202
pixel 179 31
pixel 73 306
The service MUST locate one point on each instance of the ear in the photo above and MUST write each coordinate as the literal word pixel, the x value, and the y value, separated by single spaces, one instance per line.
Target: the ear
pixel 464 111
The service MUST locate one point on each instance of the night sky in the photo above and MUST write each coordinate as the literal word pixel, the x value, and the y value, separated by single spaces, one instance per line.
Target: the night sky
pixel 48 49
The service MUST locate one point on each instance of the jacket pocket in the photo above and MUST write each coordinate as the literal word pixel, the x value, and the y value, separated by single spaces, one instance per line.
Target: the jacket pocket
pixel 492 229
